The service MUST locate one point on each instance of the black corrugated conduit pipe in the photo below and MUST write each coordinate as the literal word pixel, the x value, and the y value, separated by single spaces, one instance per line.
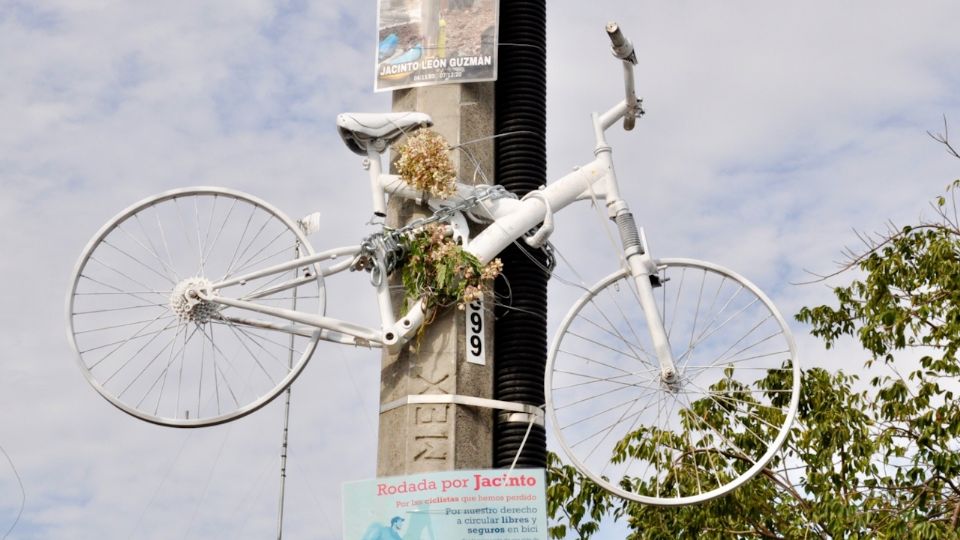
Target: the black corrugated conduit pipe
pixel 520 330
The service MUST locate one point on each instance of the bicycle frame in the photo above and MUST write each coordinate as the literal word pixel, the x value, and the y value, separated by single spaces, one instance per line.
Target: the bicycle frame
pixel 511 219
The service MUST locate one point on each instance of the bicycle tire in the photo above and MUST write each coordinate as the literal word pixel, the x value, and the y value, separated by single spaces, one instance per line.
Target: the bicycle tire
pixel 687 442
pixel 167 360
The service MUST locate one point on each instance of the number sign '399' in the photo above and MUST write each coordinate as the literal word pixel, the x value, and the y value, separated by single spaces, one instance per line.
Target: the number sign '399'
pixel 476 353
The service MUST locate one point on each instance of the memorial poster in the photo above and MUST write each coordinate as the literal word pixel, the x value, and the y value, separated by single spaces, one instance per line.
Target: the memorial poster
pixel 453 505
pixel 425 42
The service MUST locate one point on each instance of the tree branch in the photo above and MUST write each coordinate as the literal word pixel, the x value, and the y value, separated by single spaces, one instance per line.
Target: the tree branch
pixel 944 139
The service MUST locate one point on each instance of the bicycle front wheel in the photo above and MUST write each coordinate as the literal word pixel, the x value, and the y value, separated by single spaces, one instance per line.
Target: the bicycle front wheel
pixel 690 439
pixel 161 354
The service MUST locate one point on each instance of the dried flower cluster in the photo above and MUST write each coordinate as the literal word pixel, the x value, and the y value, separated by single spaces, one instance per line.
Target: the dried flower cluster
pixel 425 164
pixel 439 271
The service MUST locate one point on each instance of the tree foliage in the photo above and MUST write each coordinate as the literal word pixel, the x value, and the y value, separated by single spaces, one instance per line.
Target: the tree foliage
pixel 871 458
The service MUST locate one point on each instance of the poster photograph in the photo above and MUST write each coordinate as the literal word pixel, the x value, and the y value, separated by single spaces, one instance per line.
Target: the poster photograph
pixel 453 505
pixel 425 42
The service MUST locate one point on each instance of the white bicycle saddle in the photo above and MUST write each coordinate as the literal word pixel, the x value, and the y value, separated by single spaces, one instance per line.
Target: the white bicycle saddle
pixel 360 129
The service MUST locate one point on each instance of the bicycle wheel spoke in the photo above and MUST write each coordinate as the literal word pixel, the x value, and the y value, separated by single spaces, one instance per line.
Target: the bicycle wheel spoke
pixel 121 274
pixel 206 237
pixel 155 252
pixel 288 298
pixel 634 345
pixel 605 346
pixel 696 468
pixel 223 225
pixel 715 396
pixel 705 336
pixel 251 353
pixel 663 430
pixel 113 310
pixel 163 237
pixel 216 383
pixel 131 293
pixel 140 373
pixel 186 232
pixel 151 251
pixel 606 428
pixel 232 269
pixel 203 357
pixel 751 346
pixel 605 431
pixel 162 377
pixel 707 451
pixel 692 374
pixel 163 373
pixel 122 342
pixel 676 303
pixel 236 250
pixel 626 319
pixel 223 375
pixel 720 360
pixel 606 395
pixel 593 380
pixel 253 263
pixel 736 361
pixel 118 326
pixel 742 454
pixel 696 310
pixel 230 322
pixel 592 416
pixel 147 267
pixel 119 345
pixel 590 360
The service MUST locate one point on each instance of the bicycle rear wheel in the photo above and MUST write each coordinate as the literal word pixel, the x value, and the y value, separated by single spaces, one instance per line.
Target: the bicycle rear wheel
pixel 688 440
pixel 157 353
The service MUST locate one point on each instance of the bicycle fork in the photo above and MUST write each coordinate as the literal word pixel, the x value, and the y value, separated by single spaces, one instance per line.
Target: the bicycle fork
pixel 643 269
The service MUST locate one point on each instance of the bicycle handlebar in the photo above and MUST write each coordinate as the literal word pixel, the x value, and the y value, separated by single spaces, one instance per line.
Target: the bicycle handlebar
pixel 623 49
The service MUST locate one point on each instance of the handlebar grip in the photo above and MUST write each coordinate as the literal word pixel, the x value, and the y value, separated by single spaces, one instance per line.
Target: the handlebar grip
pixel 622 48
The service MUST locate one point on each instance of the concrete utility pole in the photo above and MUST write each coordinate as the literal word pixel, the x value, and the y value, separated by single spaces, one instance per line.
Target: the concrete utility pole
pixel 439 437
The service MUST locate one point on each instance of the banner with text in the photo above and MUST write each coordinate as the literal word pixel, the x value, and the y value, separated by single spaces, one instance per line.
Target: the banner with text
pixel 423 42
pixel 452 505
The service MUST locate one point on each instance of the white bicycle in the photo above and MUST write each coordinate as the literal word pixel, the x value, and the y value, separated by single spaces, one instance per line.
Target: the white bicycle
pixel 671 381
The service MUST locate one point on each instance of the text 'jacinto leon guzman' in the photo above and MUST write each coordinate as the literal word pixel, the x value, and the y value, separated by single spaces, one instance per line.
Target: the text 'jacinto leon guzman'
pixel 477 482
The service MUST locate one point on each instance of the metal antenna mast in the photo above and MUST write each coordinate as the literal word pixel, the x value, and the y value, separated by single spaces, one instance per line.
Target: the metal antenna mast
pixel 286 431
pixel 283 464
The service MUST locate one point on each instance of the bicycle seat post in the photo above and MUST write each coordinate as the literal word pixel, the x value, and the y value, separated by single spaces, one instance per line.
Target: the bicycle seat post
pixel 374 168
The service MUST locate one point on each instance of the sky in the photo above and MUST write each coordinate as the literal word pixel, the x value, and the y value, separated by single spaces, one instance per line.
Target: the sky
pixel 773 132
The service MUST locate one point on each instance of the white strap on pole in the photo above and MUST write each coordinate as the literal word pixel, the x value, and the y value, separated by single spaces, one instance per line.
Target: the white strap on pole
pixel 535 413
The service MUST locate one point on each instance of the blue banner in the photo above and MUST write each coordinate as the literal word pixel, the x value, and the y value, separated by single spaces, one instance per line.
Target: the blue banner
pixel 453 505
